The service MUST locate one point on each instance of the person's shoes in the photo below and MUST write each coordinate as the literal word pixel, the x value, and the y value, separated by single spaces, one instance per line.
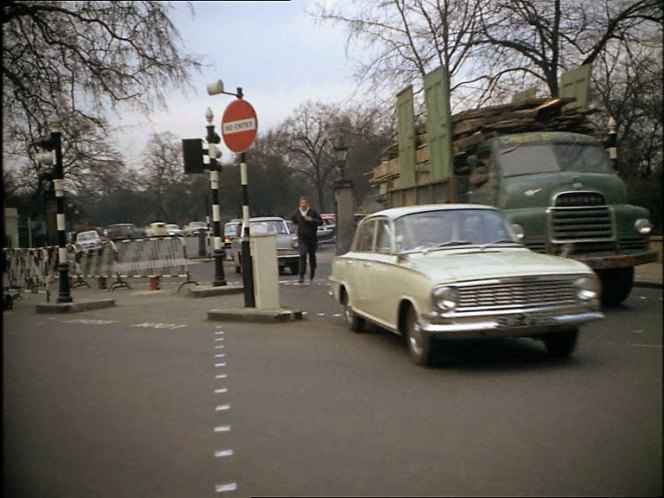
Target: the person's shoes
pixel 301 281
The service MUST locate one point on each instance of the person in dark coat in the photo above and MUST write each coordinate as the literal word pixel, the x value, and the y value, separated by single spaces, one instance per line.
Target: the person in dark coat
pixel 307 221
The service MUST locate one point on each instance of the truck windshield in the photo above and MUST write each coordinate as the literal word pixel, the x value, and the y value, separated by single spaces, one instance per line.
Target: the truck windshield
pixel 528 159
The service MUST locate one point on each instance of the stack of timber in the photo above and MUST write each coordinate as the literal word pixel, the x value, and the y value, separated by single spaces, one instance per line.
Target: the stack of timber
pixel 472 128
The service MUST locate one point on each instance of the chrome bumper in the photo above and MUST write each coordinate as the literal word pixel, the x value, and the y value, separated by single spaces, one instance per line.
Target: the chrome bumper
pixel 510 324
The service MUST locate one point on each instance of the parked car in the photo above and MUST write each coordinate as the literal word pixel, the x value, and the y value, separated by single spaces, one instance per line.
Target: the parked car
pixel 87 241
pixel 231 231
pixel 193 228
pixel 461 273
pixel 327 231
pixel 173 230
pixel 157 229
pixel 287 247
pixel 123 231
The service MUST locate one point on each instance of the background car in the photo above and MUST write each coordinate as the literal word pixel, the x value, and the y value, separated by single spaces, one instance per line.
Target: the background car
pixel 287 248
pixel 86 241
pixel 193 228
pixel 157 229
pixel 327 232
pixel 458 272
pixel 173 230
pixel 231 232
pixel 119 231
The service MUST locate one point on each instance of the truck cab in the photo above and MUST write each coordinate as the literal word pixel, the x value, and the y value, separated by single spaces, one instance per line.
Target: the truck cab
pixel 563 197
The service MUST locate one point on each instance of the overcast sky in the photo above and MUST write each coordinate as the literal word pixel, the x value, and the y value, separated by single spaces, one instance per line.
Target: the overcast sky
pixel 277 53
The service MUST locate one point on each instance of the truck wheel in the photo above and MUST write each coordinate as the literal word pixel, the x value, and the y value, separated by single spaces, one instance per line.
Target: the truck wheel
pixel 561 344
pixel 419 342
pixel 617 283
pixel 354 322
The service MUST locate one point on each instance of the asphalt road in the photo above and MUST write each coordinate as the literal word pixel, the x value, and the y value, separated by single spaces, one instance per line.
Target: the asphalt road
pixel 149 399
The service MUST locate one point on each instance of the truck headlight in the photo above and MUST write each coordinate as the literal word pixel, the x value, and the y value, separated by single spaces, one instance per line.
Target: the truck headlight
pixel 643 226
pixel 588 289
pixel 445 299
pixel 518 231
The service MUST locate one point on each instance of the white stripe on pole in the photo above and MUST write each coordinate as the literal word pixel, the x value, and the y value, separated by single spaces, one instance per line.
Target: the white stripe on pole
pixel 217 243
pixel 60 221
pixel 216 212
pixel 62 255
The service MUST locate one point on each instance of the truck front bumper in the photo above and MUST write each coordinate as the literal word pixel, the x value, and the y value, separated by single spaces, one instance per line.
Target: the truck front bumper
pixel 604 261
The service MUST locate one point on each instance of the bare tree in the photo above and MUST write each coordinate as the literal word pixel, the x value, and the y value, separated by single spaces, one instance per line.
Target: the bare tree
pixel 77 59
pixel 539 39
pixel 163 173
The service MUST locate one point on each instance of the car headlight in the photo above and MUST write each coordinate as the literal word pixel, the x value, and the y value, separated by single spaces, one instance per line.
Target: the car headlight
pixel 588 288
pixel 295 244
pixel 643 226
pixel 518 231
pixel 445 299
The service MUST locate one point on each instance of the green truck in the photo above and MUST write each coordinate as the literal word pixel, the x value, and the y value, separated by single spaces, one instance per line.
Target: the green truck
pixel 558 188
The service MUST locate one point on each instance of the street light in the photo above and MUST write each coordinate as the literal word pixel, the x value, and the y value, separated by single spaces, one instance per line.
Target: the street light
pixel 217 88
pixel 343 198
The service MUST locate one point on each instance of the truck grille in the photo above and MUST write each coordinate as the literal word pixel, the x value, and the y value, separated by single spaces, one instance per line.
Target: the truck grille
pixel 580 224
pixel 505 295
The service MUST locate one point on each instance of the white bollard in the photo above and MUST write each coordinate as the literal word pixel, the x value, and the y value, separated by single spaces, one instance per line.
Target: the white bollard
pixel 266 271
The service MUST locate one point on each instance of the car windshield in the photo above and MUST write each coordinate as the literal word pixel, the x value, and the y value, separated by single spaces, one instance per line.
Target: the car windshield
pixel 449 228
pixel 230 229
pixel 87 236
pixel 273 226
pixel 173 227
pixel 527 159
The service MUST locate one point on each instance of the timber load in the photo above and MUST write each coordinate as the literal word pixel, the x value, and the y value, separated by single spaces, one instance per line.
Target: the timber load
pixel 472 128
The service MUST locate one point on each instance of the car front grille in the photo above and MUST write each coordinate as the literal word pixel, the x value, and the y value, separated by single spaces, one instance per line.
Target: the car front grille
pixel 516 293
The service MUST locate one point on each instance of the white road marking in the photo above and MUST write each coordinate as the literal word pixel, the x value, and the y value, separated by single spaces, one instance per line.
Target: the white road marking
pixel 221 346
pixel 223 453
pixel 222 488
pixel 219 333
pixel 220 376
pixel 219 339
pixel 221 390
pixel 219 365
pixel 321 314
pixel 336 314
pixel 221 408
pixel 222 428
pixel 86 321
pixel 219 355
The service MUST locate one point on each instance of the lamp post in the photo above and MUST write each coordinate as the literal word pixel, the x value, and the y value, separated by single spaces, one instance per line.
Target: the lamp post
pixel 213 165
pixel 343 199
pixel 216 88
pixel 53 145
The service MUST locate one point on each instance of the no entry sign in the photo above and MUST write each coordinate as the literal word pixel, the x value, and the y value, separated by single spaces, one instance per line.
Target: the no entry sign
pixel 239 125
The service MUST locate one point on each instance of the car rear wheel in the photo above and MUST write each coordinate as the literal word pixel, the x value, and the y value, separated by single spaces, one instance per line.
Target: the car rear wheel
pixel 419 342
pixel 561 344
pixel 355 322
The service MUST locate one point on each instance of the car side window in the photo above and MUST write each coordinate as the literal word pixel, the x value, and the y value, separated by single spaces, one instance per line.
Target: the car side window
pixel 383 237
pixel 365 237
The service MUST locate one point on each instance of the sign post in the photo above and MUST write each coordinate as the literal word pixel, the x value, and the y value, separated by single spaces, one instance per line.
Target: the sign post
pixel 239 125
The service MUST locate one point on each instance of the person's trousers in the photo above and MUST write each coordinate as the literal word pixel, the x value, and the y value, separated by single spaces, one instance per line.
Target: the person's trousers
pixel 307 248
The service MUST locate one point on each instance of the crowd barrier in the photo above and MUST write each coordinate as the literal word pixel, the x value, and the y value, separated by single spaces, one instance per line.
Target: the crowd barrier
pixel 30 269
pixel 34 269
pixel 157 257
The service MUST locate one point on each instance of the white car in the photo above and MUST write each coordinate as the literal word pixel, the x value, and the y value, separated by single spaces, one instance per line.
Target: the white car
pixel 193 228
pixel 173 230
pixel 86 241
pixel 449 271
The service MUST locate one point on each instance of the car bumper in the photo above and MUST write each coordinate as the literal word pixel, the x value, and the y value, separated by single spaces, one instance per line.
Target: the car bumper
pixel 516 323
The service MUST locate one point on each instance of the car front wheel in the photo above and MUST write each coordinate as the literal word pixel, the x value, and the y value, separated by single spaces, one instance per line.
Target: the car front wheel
pixel 418 341
pixel 355 322
pixel 561 344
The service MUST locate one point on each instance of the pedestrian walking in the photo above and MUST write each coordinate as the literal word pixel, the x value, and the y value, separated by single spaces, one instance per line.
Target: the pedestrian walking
pixel 307 221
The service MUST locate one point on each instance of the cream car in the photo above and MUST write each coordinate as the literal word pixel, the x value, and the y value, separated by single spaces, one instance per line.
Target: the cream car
pixel 457 271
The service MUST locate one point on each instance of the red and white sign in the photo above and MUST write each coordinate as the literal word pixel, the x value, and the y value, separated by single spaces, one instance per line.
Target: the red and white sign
pixel 239 125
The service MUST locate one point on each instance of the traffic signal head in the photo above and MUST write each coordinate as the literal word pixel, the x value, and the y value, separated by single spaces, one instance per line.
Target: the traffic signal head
pixel 192 152
pixel 46 142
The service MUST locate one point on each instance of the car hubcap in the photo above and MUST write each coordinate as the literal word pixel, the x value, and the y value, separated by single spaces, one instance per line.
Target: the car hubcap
pixel 415 339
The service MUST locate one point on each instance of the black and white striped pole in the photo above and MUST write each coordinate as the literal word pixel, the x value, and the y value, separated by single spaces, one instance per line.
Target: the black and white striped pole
pixel 612 143
pixel 213 165
pixel 53 144
pixel 247 266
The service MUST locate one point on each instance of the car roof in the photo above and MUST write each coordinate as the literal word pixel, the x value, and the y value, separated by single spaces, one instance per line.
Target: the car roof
pixel 267 218
pixel 398 212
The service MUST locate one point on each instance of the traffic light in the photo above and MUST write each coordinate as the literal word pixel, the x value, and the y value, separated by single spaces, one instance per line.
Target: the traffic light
pixel 192 152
